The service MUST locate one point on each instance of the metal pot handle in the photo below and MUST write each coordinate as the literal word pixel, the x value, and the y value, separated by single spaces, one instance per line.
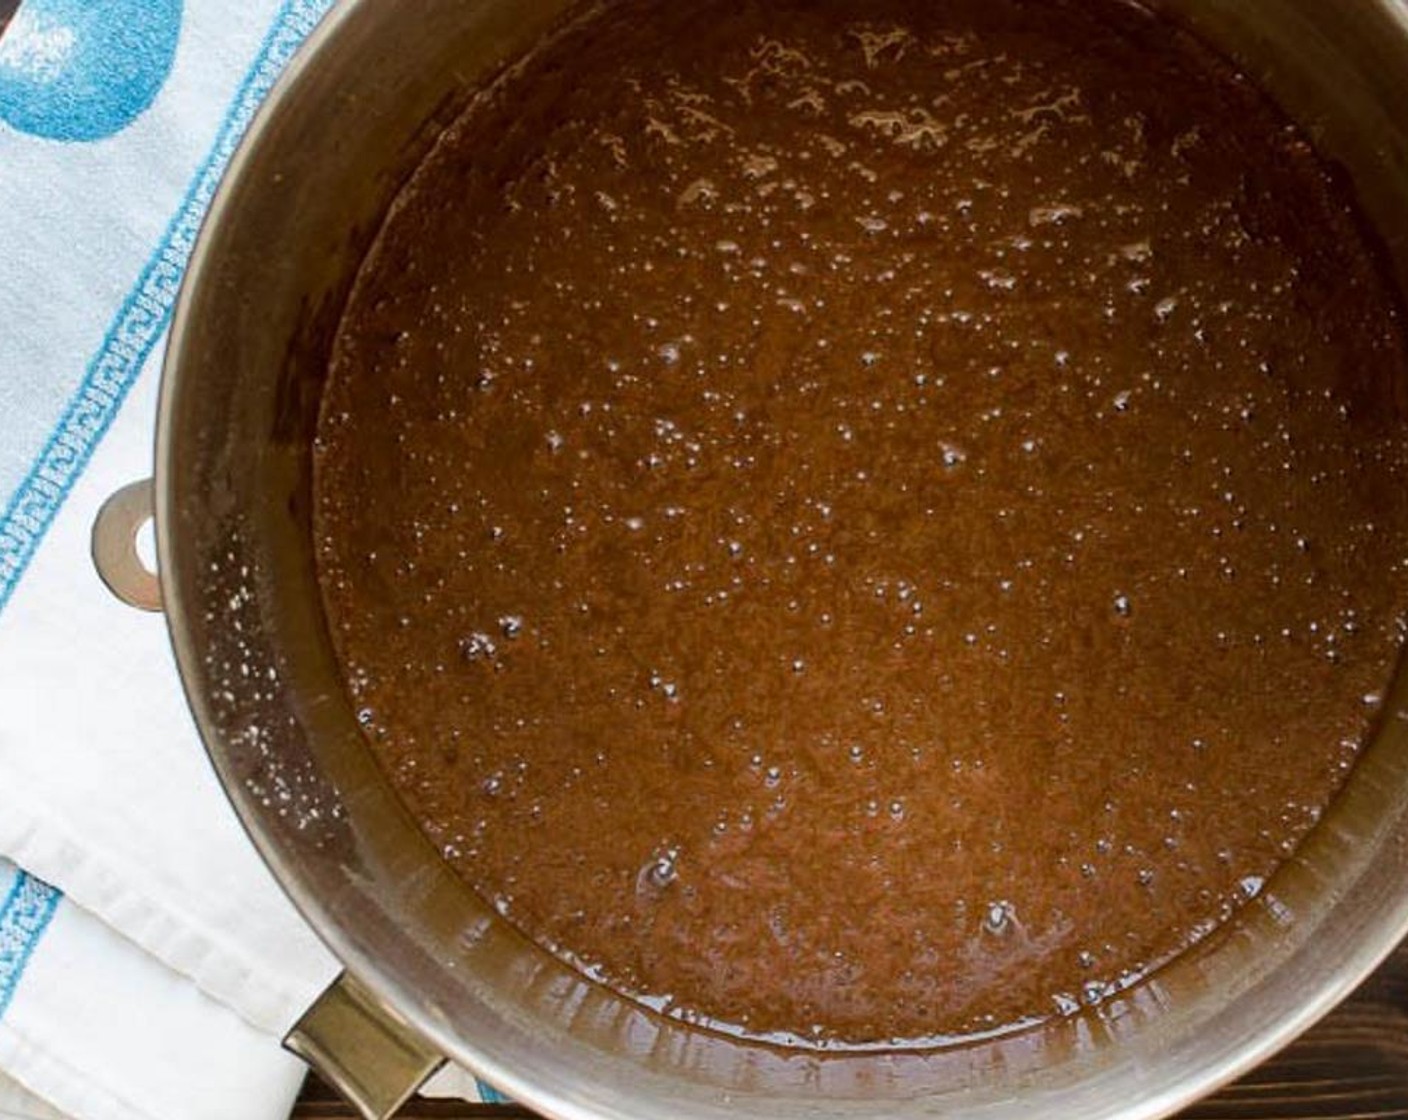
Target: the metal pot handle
pixel 115 531
pixel 359 1048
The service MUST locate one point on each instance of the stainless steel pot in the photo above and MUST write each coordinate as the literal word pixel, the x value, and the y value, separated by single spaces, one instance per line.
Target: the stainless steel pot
pixel 436 971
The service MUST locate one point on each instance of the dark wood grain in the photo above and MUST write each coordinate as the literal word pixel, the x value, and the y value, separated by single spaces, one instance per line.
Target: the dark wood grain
pixel 318 1102
pixel 1351 1066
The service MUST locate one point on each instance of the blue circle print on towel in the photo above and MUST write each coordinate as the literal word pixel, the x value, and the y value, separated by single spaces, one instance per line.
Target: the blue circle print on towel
pixel 85 69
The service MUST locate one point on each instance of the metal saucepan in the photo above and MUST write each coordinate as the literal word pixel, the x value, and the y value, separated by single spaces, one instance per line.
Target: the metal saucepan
pixel 431 970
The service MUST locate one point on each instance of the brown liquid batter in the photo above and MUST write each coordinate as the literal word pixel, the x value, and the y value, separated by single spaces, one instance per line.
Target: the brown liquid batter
pixel 868 521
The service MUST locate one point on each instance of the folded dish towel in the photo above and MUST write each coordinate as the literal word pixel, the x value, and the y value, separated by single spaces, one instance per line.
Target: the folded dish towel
pixel 148 962
pixel 99 1028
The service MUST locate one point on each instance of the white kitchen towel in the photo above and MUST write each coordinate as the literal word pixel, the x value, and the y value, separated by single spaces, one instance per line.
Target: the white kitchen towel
pixel 157 982
pixel 18 1103
pixel 158 987
pixel 99 1028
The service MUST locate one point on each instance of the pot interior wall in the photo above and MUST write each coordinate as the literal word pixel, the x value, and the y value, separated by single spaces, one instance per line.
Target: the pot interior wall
pixel 239 405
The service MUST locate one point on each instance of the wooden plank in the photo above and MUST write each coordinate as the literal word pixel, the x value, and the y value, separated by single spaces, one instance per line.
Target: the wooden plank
pixel 1351 1066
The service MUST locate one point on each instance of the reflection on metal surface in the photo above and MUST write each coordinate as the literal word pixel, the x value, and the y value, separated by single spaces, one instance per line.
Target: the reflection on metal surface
pixel 373 1060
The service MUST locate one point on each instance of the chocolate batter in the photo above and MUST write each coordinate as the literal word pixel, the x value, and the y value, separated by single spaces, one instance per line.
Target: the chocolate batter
pixel 860 522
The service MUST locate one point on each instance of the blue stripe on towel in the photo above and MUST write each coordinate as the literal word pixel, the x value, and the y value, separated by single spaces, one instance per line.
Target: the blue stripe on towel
pixel 141 319
pixel 489 1095
pixel 24 915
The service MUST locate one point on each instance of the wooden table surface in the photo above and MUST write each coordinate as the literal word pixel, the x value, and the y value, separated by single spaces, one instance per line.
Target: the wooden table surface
pixel 1352 1066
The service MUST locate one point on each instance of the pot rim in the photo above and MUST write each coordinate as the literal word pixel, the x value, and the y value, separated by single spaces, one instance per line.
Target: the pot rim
pixel 1375 939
